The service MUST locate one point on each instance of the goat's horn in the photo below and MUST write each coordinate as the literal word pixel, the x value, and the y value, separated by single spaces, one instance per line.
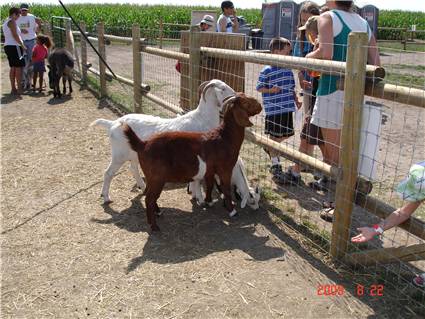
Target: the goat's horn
pixel 206 89
pixel 202 86
pixel 227 102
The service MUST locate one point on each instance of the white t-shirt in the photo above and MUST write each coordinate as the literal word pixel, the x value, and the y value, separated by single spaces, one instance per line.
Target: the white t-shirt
pixel 229 23
pixel 27 23
pixel 8 37
pixel 355 22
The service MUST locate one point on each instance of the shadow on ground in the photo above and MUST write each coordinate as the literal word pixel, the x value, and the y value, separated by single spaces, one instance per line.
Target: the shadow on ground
pixel 190 235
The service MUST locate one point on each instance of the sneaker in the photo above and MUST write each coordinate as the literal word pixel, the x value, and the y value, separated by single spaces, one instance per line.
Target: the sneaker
pixel 288 178
pixel 276 169
pixel 320 185
pixel 419 280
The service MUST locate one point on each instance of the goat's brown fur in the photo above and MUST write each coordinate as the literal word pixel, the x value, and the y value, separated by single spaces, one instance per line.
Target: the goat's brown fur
pixel 173 156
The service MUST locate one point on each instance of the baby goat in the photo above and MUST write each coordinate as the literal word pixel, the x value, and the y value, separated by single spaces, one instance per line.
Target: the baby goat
pixel 181 157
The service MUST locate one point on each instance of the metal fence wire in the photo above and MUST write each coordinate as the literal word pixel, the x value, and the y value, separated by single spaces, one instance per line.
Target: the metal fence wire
pixel 382 137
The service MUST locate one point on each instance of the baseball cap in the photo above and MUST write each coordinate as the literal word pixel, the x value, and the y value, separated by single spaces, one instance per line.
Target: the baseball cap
pixel 227 4
pixel 310 24
pixel 24 6
pixel 207 19
pixel 412 189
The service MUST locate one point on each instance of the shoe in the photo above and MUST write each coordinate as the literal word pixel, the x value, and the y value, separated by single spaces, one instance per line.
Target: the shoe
pixel 419 280
pixel 276 169
pixel 288 178
pixel 320 185
pixel 327 214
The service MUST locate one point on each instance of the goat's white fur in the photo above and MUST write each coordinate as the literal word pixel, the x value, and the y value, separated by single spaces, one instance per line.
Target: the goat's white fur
pixel 248 194
pixel 204 118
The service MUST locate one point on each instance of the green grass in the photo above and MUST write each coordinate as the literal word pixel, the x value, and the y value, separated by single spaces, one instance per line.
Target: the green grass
pixel 391 47
pixel 405 79
pixel 408 67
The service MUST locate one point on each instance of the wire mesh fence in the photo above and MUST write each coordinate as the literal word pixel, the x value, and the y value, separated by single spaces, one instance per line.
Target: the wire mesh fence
pixel 304 192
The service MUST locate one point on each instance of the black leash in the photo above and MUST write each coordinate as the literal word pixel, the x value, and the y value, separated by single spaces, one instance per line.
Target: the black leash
pixel 87 39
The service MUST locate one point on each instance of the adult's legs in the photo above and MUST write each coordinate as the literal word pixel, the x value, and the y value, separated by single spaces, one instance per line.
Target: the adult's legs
pixel 18 78
pixel 332 139
pixel 12 76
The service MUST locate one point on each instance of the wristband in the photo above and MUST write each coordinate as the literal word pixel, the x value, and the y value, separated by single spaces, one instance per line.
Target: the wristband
pixel 378 229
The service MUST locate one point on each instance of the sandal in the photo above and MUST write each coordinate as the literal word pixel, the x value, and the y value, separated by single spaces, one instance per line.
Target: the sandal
pixel 419 280
pixel 327 214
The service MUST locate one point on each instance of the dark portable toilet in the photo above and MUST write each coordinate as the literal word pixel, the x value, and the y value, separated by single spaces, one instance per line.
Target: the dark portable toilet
pixel 257 39
pixel 280 19
pixel 371 14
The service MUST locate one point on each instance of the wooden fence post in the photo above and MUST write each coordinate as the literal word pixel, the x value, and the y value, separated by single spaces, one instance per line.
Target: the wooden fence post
pixel 102 51
pixel 161 31
pixel 137 71
pixel 350 139
pixel 83 45
pixel 194 64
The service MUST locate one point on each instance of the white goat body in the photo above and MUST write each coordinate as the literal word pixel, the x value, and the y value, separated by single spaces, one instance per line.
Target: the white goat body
pixel 205 117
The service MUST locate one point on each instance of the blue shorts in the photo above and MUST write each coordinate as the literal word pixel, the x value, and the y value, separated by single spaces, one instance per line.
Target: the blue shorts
pixel 39 66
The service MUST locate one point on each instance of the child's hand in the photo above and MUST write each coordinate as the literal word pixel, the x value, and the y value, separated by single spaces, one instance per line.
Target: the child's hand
pixel 298 103
pixel 275 89
pixel 366 234
pixel 305 85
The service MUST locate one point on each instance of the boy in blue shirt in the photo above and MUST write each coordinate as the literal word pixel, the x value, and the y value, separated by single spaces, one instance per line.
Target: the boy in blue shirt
pixel 277 87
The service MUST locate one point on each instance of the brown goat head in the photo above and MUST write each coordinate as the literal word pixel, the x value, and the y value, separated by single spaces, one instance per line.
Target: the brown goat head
pixel 242 107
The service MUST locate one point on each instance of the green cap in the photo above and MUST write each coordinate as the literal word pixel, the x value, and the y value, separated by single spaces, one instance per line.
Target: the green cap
pixel 412 189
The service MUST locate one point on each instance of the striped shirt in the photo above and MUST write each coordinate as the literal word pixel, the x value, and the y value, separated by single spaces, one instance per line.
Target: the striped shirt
pixel 283 101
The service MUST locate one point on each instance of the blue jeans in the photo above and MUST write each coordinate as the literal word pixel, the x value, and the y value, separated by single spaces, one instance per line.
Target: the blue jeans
pixel 29 44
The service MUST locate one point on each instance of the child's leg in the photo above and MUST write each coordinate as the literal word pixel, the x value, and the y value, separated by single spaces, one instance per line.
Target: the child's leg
pixel 34 79
pixel 40 81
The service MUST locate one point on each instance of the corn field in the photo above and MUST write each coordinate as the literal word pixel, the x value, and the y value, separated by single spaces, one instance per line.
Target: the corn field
pixel 124 15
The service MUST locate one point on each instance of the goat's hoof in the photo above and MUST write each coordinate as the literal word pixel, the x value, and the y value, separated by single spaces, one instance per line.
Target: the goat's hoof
pixel 233 213
pixel 106 200
pixel 211 204
pixel 200 203
pixel 155 228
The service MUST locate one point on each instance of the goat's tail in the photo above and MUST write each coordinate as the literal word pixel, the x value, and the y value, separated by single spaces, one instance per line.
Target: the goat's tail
pixel 101 122
pixel 135 142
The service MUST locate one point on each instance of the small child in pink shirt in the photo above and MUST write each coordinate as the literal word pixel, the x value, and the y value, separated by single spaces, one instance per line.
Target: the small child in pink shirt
pixel 39 54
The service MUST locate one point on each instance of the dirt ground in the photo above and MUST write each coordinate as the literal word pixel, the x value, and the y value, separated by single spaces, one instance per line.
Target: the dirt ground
pixel 65 255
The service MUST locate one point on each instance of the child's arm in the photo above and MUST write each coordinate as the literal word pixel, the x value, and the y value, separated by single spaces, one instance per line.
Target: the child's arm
pixel 263 85
pixel 395 218
pixel 273 90
pixel 297 102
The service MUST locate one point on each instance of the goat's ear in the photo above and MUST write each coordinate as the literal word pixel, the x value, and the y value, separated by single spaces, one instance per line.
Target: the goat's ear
pixel 241 116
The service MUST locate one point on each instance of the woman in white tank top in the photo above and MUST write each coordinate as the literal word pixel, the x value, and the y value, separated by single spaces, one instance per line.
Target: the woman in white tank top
pixel 14 49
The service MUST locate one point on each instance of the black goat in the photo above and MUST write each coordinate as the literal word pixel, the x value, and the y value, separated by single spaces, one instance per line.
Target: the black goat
pixel 61 64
